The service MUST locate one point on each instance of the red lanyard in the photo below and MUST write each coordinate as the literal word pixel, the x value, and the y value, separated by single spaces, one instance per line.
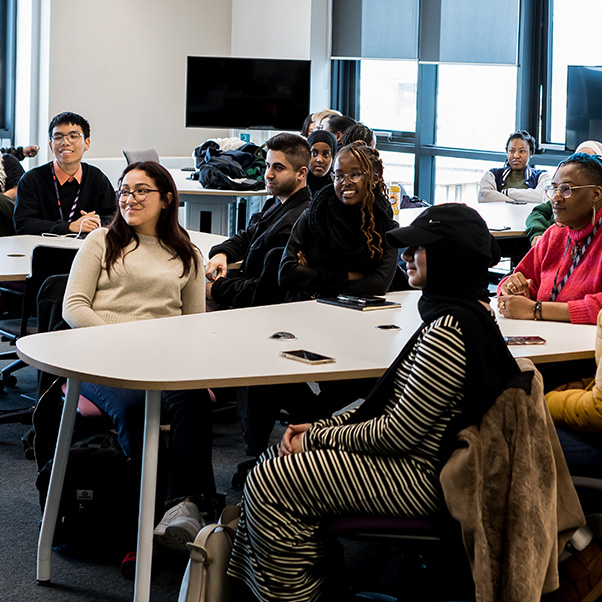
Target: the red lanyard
pixel 58 197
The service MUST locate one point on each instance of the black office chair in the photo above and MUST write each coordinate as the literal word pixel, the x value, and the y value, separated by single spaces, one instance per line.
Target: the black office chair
pixel 45 262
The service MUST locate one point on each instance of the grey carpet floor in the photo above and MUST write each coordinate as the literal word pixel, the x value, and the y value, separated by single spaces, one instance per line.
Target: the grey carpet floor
pixel 74 580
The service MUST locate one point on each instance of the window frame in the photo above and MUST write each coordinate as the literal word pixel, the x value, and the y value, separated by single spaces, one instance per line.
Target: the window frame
pixel 532 102
pixel 8 33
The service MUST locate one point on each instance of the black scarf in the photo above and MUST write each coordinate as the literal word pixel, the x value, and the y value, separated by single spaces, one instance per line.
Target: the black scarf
pixel 456 280
pixel 338 226
pixel 316 183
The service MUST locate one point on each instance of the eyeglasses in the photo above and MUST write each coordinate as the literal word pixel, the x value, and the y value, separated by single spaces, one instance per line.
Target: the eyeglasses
pixel 353 177
pixel 139 195
pixel 71 136
pixel 564 190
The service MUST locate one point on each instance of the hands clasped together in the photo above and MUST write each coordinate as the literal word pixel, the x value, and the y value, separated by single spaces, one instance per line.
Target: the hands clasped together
pixel 514 302
pixel 292 440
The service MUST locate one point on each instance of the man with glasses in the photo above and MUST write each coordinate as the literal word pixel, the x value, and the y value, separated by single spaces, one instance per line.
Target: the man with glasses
pixel 64 196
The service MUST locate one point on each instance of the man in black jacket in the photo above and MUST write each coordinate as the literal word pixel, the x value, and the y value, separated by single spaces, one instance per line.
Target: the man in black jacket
pixel 64 195
pixel 256 282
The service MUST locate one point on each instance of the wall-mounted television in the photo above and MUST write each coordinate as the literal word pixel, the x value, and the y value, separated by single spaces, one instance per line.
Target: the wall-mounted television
pixel 583 105
pixel 247 93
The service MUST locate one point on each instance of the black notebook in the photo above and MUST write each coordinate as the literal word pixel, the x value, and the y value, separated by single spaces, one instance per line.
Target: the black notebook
pixel 366 303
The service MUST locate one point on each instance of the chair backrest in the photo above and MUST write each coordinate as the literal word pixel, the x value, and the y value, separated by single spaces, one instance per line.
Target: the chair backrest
pixel 45 262
pixel 149 154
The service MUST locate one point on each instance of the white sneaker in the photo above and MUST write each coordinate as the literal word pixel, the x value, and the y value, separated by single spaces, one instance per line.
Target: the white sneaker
pixel 178 526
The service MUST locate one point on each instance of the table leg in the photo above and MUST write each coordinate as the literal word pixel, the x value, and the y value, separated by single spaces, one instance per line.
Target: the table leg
pixel 57 476
pixel 148 486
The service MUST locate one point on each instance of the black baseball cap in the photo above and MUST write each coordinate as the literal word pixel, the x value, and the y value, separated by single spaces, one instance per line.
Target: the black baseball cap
pixel 451 221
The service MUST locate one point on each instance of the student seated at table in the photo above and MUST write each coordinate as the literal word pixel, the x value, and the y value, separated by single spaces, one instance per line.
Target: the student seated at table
pixel 312 121
pixel 338 245
pixel 323 148
pixel 356 132
pixel 10 173
pixel 542 216
pixel 384 458
pixel 560 278
pixel 337 124
pixel 65 195
pixel 254 283
pixel 21 152
pixel 516 181
pixel 144 266
pixel 576 408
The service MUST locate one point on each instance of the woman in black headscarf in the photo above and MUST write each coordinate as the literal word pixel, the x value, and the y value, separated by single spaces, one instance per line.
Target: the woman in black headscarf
pixel 323 145
pixel 383 459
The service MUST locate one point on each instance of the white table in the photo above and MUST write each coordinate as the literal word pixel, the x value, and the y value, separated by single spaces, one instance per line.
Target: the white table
pixel 503 219
pixel 15 251
pixel 232 348
pixel 221 204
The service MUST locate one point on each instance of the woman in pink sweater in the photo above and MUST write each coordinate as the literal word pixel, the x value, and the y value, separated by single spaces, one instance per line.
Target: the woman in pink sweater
pixel 561 277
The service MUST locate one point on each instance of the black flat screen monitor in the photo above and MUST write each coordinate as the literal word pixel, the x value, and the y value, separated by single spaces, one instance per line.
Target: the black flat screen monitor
pixel 266 94
pixel 583 105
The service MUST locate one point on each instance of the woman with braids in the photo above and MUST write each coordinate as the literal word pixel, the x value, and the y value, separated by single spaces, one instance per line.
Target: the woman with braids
pixel 143 266
pixel 516 181
pixel 338 244
pixel 384 457
pixel 560 278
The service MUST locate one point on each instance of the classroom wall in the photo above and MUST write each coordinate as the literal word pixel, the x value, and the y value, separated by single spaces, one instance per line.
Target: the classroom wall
pixel 288 29
pixel 123 66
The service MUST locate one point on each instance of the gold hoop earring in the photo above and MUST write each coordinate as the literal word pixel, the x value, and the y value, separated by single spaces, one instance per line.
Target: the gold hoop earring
pixel 593 213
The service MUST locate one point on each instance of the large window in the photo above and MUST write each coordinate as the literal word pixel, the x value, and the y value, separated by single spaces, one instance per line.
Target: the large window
pixel 457 180
pixel 452 109
pixel 7 66
pixel 399 168
pixel 476 106
pixel 388 94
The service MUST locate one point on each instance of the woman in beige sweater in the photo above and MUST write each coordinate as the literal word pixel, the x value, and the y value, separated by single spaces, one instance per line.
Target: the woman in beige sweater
pixel 144 266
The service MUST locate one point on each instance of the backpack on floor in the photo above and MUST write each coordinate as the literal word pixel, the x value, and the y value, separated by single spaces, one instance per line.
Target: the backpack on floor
pixel 205 579
pixel 98 512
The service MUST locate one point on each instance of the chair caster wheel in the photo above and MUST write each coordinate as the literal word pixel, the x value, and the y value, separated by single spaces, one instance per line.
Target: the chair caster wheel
pixel 9 380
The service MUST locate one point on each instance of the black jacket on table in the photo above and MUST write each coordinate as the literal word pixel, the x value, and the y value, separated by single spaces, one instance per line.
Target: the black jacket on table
pixel 37 210
pixel 269 231
pixel 329 235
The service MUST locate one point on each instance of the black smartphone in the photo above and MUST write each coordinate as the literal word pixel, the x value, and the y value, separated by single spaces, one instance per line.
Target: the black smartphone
pixel 529 340
pixel 309 357
pixel 366 300
pixel 388 327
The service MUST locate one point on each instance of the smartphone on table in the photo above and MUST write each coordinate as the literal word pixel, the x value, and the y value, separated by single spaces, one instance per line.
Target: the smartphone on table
pixel 525 340
pixel 308 357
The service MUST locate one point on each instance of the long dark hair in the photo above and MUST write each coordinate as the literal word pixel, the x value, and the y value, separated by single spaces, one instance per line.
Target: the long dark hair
pixel 171 235
pixel 372 165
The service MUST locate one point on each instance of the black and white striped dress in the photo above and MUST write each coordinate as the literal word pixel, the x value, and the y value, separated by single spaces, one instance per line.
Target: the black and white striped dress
pixel 386 466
